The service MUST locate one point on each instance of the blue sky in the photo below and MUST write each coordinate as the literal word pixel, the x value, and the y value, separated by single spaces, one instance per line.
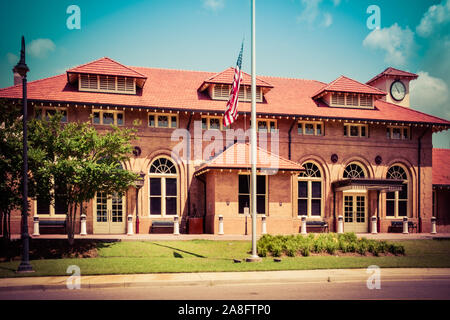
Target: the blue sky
pixel 311 39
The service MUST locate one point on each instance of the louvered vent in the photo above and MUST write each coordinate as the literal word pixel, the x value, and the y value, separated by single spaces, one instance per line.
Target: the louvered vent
pixel 121 84
pixel 221 91
pixel 89 82
pixel 352 100
pixel 84 81
pixel 129 85
pixel 338 99
pixel 366 101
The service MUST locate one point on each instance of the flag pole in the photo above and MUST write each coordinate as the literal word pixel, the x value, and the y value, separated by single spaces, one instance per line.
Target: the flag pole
pixel 254 257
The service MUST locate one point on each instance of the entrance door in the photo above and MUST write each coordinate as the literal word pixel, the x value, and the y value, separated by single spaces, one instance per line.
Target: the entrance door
pixel 355 213
pixel 109 214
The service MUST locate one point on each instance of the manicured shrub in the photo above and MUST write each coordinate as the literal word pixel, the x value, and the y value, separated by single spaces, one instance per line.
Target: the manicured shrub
pixel 374 247
pixel 362 247
pixel 293 245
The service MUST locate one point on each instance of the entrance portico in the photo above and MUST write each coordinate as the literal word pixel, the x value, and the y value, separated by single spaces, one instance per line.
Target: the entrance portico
pixel 358 200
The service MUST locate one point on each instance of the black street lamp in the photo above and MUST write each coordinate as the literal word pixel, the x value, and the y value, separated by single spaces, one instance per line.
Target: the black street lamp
pixel 139 185
pixel 21 68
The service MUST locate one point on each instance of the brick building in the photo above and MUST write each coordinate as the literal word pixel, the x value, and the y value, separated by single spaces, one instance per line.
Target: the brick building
pixel 345 148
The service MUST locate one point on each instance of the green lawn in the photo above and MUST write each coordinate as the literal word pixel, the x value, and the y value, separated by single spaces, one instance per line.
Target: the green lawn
pixel 209 256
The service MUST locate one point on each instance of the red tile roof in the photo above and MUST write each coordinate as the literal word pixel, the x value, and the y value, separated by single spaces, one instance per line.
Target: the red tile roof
pixel 441 167
pixel 344 84
pixel 227 76
pixel 238 156
pixel 393 72
pixel 178 90
pixel 107 66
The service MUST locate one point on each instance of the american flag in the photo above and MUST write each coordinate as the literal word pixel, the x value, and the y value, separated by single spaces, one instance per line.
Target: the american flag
pixel 231 110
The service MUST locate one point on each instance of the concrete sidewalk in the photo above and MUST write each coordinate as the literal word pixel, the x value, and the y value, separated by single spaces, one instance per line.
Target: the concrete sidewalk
pixel 227 237
pixel 224 278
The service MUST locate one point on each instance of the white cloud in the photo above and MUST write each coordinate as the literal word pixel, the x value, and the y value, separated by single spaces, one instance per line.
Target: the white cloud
pixel 12 58
pixel 336 2
pixel 395 41
pixel 430 95
pixel 437 16
pixel 39 48
pixel 313 16
pixel 214 4
pixel 327 20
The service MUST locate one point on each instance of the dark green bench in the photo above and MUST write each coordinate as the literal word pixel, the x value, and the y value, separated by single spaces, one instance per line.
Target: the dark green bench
pixel 397 226
pixel 162 226
pixel 48 226
pixel 322 225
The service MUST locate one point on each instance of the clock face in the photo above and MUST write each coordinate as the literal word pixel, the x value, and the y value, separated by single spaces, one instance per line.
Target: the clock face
pixel 398 90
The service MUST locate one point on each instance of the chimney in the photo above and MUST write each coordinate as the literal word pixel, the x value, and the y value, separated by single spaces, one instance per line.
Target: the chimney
pixel 17 78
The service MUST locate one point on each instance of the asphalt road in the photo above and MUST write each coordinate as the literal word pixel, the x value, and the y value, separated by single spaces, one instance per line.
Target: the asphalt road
pixel 416 289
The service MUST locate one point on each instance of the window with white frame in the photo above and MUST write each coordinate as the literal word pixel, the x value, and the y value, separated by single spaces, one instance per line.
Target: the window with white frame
pixel 397 202
pixel 212 123
pixel 103 83
pixel 108 117
pixel 163 187
pixel 356 130
pixel 244 193
pixel 47 112
pixel 310 191
pixel 310 128
pixel 162 120
pixel 398 133
pixel 266 125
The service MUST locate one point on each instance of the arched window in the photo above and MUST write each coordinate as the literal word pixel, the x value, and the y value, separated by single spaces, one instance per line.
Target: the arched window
pixel 354 170
pixel 397 202
pixel 163 166
pixel 163 182
pixel 310 190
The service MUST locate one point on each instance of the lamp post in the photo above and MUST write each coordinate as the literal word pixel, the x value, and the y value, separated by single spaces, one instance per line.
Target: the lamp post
pixel 21 68
pixel 139 185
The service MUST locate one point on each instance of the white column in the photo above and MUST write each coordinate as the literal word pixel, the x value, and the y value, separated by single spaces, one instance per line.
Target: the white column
pixel 340 224
pixel 36 226
pixel 176 226
pixel 433 225
pixel 374 224
pixel 263 225
pixel 405 225
pixel 220 225
pixel 303 231
pixel 83 225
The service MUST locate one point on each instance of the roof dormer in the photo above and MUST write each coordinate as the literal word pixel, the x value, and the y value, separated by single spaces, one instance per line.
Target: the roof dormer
pixel 219 86
pixel 396 83
pixel 106 75
pixel 345 92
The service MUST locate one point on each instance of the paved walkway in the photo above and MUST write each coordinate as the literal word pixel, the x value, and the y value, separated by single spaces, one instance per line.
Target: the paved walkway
pixel 224 278
pixel 228 237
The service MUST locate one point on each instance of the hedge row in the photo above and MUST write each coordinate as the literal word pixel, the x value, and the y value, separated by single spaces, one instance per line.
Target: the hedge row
pixel 329 243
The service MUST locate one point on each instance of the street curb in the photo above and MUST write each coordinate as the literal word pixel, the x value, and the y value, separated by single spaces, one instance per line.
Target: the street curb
pixel 232 278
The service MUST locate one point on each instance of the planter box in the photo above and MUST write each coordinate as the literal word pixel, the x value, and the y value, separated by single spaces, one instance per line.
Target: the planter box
pixel 195 225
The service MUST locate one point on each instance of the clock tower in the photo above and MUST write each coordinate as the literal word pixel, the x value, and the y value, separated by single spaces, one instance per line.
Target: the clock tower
pixel 395 83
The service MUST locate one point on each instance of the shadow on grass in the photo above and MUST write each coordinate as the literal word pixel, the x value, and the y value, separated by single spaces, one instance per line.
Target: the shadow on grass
pixel 7 269
pixel 54 249
pixel 191 253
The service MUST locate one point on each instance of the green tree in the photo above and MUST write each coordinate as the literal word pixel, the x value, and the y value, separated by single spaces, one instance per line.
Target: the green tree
pixel 11 133
pixel 80 161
